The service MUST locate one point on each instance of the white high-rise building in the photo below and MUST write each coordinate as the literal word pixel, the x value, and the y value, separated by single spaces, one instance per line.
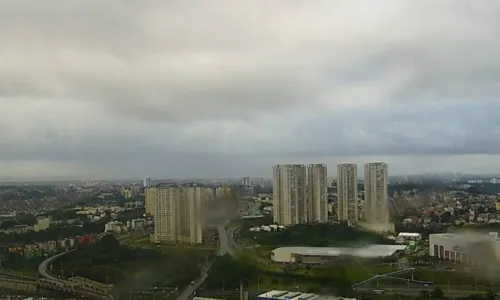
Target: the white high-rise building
pixel 317 193
pixel 376 200
pixel 178 213
pixel 289 195
pixel 246 181
pixel 347 192
pixel 147 182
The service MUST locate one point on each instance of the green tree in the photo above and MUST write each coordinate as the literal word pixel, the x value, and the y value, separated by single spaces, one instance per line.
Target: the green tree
pixel 437 293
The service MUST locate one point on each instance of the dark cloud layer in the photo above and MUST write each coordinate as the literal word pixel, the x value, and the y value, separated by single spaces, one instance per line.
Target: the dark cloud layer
pixel 186 88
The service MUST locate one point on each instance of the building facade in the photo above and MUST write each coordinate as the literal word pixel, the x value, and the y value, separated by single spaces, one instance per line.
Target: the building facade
pixel 149 201
pixel 376 198
pixel 317 193
pixel 166 204
pixel 178 213
pixel 246 181
pixel 289 195
pixel 465 248
pixel 147 182
pixel 347 192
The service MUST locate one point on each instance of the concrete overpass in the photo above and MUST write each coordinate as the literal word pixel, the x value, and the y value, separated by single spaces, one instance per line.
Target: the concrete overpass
pixel 74 285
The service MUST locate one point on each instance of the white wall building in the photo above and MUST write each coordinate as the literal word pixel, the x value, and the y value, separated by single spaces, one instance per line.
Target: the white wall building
pixel 317 193
pixel 465 248
pixel 289 254
pixel 42 223
pixel 376 198
pixel 289 195
pixel 347 192
pixel 147 182
pixel 115 226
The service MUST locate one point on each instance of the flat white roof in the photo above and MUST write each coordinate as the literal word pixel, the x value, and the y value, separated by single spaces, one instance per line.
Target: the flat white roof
pixel 286 295
pixel 367 252
pixel 415 234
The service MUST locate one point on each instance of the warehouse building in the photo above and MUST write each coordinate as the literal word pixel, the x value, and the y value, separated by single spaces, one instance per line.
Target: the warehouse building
pixel 475 249
pixel 317 255
pixel 284 295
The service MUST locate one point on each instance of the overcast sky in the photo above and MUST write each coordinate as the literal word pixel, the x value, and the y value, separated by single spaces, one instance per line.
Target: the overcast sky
pixel 127 89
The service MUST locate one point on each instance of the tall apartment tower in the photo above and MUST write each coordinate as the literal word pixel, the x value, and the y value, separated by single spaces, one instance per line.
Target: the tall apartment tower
pixel 193 198
pixel 147 182
pixel 166 203
pixel 149 197
pixel 178 213
pixel 289 195
pixel 246 181
pixel 317 193
pixel 347 192
pixel 376 202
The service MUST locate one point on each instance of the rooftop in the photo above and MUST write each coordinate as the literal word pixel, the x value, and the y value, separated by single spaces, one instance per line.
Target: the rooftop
pixel 285 295
pixel 370 251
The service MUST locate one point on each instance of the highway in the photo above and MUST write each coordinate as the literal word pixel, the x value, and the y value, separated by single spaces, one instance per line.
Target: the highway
pixel 224 248
pixel 43 267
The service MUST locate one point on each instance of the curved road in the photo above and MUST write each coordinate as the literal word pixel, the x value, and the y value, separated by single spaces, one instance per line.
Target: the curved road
pixel 43 267
pixel 224 248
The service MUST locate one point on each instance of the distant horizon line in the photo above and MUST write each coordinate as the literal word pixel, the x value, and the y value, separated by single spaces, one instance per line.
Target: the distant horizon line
pixel 154 179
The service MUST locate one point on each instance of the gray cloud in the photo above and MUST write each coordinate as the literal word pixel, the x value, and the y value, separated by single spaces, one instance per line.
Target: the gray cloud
pixel 186 88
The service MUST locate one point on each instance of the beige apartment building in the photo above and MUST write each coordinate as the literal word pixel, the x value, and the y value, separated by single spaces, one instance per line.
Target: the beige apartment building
pixel 178 213
pixel 149 201
pixel 289 195
pixel 317 193
pixel 166 204
pixel 347 192
pixel 376 198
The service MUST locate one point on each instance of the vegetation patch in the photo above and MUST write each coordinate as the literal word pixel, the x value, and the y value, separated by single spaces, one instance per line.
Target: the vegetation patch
pixel 133 268
pixel 316 235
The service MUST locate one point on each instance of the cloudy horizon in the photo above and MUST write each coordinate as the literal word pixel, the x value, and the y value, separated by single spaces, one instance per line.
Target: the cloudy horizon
pixel 127 89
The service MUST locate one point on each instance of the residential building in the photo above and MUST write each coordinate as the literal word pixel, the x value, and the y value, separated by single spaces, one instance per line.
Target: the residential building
pixel 178 213
pixel 223 191
pixel 192 202
pixel 246 181
pixel 289 195
pixel 42 223
pixel 347 193
pixel 376 200
pixel 166 204
pixel 149 201
pixel 147 182
pixel 127 193
pixel 317 194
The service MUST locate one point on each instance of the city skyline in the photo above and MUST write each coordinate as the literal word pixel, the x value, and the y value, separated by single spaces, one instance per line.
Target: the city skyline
pixel 221 92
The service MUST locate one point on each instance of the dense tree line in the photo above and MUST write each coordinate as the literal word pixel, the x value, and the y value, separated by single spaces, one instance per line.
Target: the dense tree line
pixel 317 235
pixel 27 192
pixel 97 199
pixel 17 261
pixel 109 262
pixel 53 233
pixel 229 272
